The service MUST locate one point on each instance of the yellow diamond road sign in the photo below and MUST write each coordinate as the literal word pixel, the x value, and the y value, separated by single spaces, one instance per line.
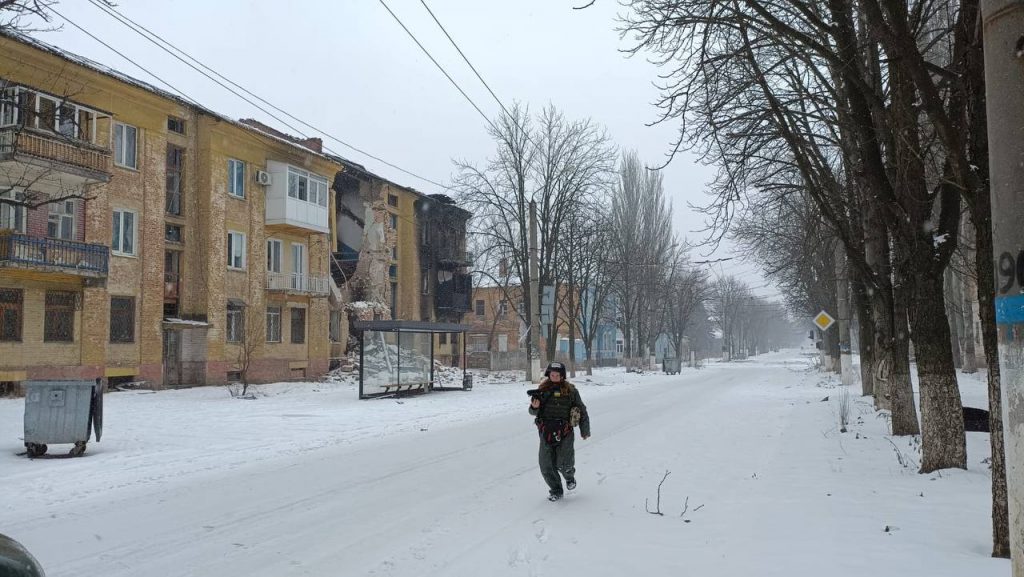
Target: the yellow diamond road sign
pixel 824 320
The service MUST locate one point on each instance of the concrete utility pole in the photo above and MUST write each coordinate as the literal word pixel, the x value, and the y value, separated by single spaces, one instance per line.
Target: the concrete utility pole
pixel 535 369
pixel 843 302
pixel 1004 85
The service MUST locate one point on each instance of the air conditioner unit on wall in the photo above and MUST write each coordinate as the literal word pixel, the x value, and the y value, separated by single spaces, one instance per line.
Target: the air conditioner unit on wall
pixel 263 177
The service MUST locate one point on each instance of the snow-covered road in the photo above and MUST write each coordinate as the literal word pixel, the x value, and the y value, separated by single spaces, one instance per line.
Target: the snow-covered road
pixel 772 488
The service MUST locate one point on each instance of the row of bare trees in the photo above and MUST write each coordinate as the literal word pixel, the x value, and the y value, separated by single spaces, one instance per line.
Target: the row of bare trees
pixel 605 240
pixel 857 124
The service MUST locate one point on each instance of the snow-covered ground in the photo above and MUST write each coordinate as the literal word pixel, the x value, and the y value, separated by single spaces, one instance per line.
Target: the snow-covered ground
pixel 308 480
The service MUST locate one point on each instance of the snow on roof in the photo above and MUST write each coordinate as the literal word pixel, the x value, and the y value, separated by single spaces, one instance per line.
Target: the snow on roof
pixel 122 77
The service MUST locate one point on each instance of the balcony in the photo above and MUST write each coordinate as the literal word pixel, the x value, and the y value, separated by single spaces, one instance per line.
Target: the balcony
pixel 298 283
pixel 455 295
pixel 54 255
pixel 452 257
pixel 296 200
pixel 71 161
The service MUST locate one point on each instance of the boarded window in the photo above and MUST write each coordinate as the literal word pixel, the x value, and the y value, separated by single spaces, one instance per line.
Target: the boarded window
pixel 235 323
pixel 122 319
pixel 273 324
pixel 298 326
pixel 59 321
pixel 11 313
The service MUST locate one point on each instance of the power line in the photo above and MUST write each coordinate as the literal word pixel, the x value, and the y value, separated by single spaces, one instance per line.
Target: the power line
pixel 463 55
pixel 122 55
pixel 436 63
pixel 163 44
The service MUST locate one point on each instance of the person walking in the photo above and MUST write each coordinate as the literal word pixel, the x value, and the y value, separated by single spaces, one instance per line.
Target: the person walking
pixel 557 408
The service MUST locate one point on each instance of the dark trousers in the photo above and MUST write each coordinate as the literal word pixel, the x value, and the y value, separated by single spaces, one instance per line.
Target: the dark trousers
pixel 555 459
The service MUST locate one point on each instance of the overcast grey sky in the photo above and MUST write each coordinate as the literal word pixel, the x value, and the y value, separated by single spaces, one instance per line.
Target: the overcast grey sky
pixel 346 67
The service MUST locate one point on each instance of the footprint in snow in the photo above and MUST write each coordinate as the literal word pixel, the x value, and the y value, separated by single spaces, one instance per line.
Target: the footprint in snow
pixel 540 530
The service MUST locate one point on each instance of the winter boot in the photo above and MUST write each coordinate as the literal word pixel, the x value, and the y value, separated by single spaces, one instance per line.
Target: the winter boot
pixel 570 483
pixel 554 496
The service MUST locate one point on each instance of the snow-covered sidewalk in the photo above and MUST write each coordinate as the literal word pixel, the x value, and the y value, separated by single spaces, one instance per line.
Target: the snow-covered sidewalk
pixel 308 481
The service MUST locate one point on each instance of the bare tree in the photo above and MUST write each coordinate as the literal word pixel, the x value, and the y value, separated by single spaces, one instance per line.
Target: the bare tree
pixel 687 289
pixel 555 162
pixel 249 346
pixel 641 248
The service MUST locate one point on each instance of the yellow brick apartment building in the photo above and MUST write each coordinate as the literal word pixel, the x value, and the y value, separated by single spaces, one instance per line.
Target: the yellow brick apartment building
pixel 143 237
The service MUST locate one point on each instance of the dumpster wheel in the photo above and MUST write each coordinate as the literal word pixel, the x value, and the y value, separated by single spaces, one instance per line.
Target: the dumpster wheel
pixel 35 450
pixel 78 449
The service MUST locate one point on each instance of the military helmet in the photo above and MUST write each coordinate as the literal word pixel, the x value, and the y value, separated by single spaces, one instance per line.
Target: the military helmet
pixel 555 366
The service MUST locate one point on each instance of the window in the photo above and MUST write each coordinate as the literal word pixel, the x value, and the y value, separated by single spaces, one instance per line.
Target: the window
pixel 67 121
pixel 480 311
pixel 61 220
pixel 172 233
pixel 122 319
pixel 13 217
pixel 273 255
pixel 299 266
pixel 502 308
pixel 59 318
pixel 46 117
pixel 236 250
pixel 11 301
pixel 175 124
pixel 123 242
pixel 393 271
pixel 307 187
pixel 334 327
pixel 394 253
pixel 394 222
pixel 175 177
pixel 235 325
pixel 394 300
pixel 393 200
pixel 298 326
pixel 8 107
pixel 443 339
pixel 236 178
pixel 425 275
pixel 273 324
pixel 125 146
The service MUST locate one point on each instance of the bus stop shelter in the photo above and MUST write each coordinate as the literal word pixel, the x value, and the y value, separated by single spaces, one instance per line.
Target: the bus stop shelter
pixel 397 357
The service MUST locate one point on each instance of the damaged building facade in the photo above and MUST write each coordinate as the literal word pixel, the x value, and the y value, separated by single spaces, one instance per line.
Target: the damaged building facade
pixel 399 255
pixel 145 238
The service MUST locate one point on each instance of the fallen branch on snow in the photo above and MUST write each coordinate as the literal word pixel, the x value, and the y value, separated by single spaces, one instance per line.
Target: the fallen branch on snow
pixel 657 509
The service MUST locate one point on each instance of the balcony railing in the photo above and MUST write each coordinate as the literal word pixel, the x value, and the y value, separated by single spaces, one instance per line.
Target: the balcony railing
pixel 300 283
pixel 172 285
pixel 18 141
pixel 63 255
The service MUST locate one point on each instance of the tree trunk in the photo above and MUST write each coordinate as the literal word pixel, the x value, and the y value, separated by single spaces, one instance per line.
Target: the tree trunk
pixel 943 442
pixel 990 341
pixel 900 388
pixel 866 334
pixel 968 296
pixel 952 298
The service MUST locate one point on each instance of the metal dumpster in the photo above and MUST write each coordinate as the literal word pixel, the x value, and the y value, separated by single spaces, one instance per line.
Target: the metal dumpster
pixel 59 412
pixel 671 365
